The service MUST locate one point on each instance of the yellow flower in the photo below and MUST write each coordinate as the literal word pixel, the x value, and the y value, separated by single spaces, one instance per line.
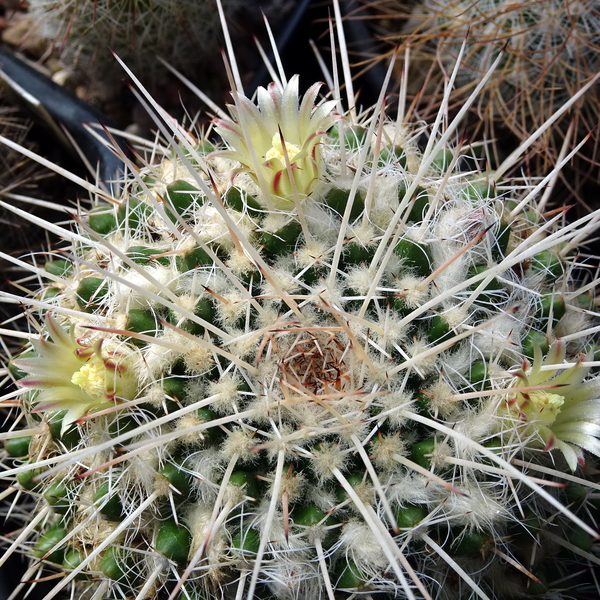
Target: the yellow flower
pixel 73 376
pixel 260 137
pixel 564 411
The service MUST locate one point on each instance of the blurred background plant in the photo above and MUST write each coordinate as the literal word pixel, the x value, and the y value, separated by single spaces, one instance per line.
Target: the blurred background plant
pixel 183 32
pixel 19 177
pixel 74 41
pixel 551 49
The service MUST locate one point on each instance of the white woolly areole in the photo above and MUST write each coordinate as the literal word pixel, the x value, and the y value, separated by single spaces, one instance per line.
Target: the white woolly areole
pixel 478 426
pixel 392 405
pixel 281 279
pixel 331 294
pixel 226 392
pixel 442 451
pixel 240 262
pixel 442 399
pixel 198 358
pixel 326 458
pixel 142 474
pixel 129 298
pixel 187 303
pixel 184 424
pixel 262 407
pixel 274 221
pixel 292 485
pixel 198 521
pixel 360 279
pixel 363 234
pixel 412 291
pixel 280 442
pixel 456 316
pixel 240 442
pixel 206 468
pixel 293 579
pixel 170 170
pixel 502 338
pixel 242 345
pixel 210 227
pixel 160 358
pixel 310 253
pixel 573 322
pixel 413 488
pixel 384 448
pixel 233 306
pixel 394 332
pixel 477 509
pixel 359 541
pixel 452 274
pixel 424 364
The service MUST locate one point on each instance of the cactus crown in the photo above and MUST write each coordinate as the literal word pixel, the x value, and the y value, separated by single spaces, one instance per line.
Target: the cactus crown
pixel 308 366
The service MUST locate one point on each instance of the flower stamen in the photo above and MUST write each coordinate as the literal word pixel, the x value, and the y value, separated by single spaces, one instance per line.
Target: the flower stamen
pixel 276 152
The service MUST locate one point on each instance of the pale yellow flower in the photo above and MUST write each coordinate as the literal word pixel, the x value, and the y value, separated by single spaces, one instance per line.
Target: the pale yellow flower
pixel 279 125
pixel 74 376
pixel 564 412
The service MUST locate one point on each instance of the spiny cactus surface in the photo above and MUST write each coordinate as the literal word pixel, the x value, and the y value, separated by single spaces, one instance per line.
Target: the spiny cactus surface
pixel 325 357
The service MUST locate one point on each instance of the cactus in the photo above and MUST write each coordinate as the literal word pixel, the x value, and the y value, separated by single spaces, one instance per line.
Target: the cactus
pixel 317 359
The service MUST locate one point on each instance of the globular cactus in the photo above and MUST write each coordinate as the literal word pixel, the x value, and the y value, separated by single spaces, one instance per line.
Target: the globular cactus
pixel 325 357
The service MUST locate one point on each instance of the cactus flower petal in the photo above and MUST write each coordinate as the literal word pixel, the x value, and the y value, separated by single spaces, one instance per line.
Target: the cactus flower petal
pixel 561 413
pixel 74 376
pixel 281 129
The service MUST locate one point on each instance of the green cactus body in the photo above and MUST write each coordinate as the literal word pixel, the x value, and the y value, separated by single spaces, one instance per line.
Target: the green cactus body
pixel 261 414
